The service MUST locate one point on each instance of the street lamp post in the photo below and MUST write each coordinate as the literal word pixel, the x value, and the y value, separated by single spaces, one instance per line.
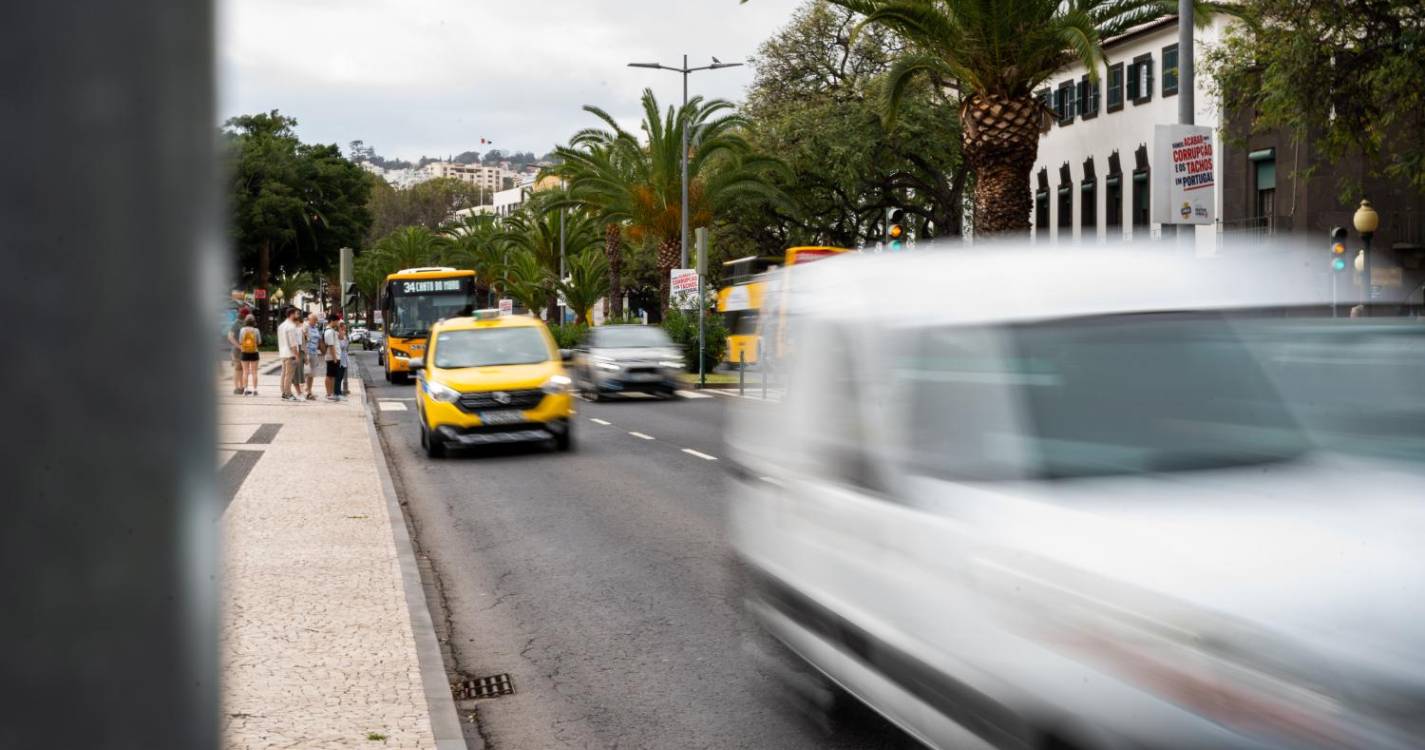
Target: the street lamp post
pixel 1367 221
pixel 686 71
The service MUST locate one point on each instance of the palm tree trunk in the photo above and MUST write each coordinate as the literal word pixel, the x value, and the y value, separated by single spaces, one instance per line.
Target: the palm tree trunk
pixel 551 311
pixel 668 252
pixel 1000 137
pixel 613 248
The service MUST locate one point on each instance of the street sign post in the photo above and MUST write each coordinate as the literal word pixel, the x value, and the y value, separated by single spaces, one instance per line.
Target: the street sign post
pixel 259 294
pixel 507 306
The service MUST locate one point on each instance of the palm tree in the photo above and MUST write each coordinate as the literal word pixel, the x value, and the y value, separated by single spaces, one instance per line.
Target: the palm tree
pixel 600 161
pixel 997 53
pixel 587 282
pixel 621 179
pixel 536 229
pixel 477 242
pixel 529 282
pixel 410 247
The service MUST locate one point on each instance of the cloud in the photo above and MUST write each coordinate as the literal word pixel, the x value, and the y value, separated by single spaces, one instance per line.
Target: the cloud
pixel 432 77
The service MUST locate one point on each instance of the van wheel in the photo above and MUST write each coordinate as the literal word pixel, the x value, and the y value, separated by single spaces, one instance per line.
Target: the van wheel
pixel 433 445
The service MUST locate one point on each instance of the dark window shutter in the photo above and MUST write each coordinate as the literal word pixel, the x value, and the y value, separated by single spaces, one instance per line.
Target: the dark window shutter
pixel 1133 80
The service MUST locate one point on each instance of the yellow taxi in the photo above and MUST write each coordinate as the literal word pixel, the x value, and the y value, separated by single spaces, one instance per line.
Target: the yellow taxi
pixel 491 378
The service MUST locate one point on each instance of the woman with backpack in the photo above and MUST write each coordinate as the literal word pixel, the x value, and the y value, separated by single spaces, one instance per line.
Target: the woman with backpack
pixel 249 341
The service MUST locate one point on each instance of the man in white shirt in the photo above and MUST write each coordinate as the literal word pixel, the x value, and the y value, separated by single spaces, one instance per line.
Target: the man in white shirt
pixel 288 349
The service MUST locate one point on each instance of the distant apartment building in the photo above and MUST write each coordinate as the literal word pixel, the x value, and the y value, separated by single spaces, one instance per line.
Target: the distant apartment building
pixel 488 178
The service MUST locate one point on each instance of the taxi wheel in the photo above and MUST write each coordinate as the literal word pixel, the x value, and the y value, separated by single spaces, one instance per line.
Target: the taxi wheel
pixel 434 448
pixel 564 441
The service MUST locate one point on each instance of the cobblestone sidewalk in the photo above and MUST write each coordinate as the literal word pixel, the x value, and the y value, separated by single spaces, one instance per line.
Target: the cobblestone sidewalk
pixel 317 644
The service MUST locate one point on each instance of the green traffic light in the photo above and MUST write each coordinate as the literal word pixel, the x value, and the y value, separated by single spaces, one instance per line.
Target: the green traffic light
pixel 1338 264
pixel 896 245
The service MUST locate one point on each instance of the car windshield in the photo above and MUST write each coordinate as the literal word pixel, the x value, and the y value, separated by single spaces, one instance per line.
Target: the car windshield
pixel 630 337
pixel 484 347
pixel 1122 394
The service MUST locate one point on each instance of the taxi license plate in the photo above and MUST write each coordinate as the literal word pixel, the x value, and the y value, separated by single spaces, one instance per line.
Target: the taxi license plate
pixel 501 417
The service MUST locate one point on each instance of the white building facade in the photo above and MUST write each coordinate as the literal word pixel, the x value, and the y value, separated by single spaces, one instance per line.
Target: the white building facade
pixel 488 178
pixel 1093 179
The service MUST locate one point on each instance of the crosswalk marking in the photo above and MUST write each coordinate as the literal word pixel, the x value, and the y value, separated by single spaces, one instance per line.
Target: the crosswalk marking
pixel 693 394
pixel 391 406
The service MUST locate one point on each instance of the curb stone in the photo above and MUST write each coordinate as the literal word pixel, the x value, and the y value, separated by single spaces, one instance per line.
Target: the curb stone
pixel 444 721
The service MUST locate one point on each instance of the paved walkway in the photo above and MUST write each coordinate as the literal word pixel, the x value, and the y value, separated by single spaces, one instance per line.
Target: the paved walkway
pixel 318 646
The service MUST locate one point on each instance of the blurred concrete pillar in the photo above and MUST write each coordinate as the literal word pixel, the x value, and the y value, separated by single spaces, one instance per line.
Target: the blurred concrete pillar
pixel 108 533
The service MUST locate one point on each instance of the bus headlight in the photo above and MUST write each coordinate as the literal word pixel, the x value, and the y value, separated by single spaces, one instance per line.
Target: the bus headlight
pixel 557 384
pixel 442 393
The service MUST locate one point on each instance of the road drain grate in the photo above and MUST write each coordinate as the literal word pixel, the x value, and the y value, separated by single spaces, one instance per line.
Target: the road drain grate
pixel 483 687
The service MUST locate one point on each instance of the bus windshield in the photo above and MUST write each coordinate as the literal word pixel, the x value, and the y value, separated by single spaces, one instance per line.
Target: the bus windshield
pixel 413 309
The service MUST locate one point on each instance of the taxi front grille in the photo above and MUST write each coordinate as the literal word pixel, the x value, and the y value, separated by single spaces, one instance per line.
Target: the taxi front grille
pixel 490 400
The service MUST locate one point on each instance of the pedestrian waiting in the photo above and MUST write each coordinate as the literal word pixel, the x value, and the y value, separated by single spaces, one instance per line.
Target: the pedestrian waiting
pixel 289 350
pixel 249 341
pixel 233 341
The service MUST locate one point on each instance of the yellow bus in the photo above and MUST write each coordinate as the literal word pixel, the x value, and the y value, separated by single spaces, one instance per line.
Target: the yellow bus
pixel 741 301
pixel 413 300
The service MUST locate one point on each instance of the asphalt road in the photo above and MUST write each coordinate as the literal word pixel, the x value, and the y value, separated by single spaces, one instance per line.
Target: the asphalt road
pixel 601 582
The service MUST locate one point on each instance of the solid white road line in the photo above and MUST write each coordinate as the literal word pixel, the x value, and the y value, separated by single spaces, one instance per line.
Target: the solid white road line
pixel 641 435
pixel 701 455
pixel 391 406
pixel 596 420
pixel 693 394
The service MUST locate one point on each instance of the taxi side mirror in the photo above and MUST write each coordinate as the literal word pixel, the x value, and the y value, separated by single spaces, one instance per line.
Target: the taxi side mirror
pixel 566 354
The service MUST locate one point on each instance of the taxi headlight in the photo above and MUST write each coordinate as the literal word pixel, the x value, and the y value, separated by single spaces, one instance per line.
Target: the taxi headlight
pixel 557 384
pixel 442 393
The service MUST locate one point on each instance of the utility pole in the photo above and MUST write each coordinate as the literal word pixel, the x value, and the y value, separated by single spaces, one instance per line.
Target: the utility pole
pixel 702 304
pixel 685 71
pixel 1187 233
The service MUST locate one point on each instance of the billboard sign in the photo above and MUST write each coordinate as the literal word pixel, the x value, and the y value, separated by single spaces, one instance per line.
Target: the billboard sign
pixel 683 289
pixel 1184 175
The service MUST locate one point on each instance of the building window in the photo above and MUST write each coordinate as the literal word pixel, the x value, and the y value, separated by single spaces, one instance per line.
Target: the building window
pixel 1115 87
pixel 1041 215
pixel 1066 213
pixel 1113 206
pixel 1264 186
pixel 1088 98
pixel 1064 104
pixel 1088 209
pixel 1140 200
pixel 1140 79
pixel 1170 70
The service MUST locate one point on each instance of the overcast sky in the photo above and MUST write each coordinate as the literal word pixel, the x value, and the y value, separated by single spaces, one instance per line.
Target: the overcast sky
pixel 433 77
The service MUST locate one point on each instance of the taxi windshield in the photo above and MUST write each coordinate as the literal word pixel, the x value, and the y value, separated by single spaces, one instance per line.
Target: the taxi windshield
pixel 485 347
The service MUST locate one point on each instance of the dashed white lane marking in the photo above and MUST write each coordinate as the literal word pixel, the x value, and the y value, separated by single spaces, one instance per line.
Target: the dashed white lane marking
pixel 699 454
pixel 391 406
pixel 772 481
pixel 596 420
pixel 641 436
pixel 693 394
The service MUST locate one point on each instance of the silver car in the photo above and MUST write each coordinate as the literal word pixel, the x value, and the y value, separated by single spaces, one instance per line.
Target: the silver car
pixel 626 359
pixel 1080 500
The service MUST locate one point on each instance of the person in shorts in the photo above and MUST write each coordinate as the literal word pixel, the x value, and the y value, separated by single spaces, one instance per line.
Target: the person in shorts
pixel 289 351
pixel 238 374
pixel 249 340
pixel 312 343
pixel 343 358
pixel 329 349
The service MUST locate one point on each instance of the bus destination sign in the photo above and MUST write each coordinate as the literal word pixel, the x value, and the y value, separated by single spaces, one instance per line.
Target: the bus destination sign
pixel 430 286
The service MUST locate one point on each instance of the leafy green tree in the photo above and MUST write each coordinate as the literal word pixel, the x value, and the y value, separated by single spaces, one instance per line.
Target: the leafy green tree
pixel 1350 74
pixel 428 204
pixel 815 102
pixel 477 242
pixel 586 283
pixel 601 166
pixel 294 206
pixel 409 247
pixel 995 54
pixel 645 189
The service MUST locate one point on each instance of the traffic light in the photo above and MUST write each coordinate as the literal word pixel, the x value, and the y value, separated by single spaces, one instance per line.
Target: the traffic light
pixel 1338 249
pixel 895 229
pixel 351 296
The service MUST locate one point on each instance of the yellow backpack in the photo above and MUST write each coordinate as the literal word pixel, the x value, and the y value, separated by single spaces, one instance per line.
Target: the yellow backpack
pixel 249 341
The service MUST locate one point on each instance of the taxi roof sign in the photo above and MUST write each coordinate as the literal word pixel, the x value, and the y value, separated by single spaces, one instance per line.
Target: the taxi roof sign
pixel 488 313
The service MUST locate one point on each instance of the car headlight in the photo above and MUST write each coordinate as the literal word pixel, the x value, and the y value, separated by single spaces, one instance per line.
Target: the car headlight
pixel 556 384
pixel 676 364
pixel 442 393
pixel 606 363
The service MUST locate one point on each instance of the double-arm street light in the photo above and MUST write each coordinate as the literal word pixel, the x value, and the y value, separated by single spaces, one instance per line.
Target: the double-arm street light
pixel 686 71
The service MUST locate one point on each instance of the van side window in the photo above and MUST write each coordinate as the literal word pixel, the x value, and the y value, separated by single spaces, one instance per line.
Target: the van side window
pixel 834 430
pixel 959 387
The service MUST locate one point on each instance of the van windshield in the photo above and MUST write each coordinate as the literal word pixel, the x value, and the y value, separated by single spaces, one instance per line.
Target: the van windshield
pixel 486 347
pixel 1123 394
